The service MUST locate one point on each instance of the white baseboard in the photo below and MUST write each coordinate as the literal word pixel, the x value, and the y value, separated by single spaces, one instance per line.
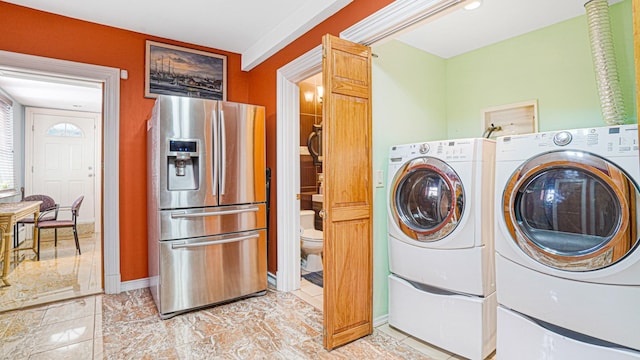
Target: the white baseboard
pixel 144 283
pixel 381 320
pixel 272 280
pixel 134 284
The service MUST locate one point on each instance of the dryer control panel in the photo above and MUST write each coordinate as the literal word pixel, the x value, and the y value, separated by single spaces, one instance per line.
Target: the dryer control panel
pixel 618 140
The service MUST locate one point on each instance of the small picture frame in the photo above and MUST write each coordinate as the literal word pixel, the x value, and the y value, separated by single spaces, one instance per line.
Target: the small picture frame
pixel 176 70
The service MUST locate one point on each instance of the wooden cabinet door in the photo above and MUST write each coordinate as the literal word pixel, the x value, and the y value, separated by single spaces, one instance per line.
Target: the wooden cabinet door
pixel 348 260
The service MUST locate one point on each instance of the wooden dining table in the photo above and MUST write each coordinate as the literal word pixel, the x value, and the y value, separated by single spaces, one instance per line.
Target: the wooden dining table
pixel 10 214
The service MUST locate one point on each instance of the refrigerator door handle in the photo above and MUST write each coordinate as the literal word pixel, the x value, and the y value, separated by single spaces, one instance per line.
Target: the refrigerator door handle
pixel 214 152
pixel 223 153
pixel 182 215
pixel 213 242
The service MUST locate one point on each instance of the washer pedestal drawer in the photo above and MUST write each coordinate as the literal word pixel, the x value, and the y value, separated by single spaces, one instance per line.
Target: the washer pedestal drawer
pixel 462 324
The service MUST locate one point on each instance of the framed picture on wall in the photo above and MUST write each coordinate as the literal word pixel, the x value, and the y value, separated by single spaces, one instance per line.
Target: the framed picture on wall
pixel 176 70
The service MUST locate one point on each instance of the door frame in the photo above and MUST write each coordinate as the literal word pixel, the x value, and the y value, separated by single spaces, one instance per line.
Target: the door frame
pixel 97 157
pixel 395 17
pixel 110 78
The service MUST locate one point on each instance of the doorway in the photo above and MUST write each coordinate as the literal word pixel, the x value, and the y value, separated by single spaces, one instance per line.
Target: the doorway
pixel 288 154
pixel 385 22
pixel 61 150
pixel 109 78
pixel 311 188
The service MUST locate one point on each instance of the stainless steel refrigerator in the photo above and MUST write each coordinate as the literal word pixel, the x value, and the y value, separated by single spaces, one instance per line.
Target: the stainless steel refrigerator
pixel 206 202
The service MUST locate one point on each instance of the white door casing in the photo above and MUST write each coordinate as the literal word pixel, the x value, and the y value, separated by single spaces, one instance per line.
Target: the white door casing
pixel 61 157
pixel 110 78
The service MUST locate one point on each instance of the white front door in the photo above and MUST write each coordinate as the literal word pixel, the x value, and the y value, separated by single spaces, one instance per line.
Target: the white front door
pixel 61 158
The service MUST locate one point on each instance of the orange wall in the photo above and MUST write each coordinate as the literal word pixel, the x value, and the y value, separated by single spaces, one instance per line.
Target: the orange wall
pixel 263 87
pixel 39 33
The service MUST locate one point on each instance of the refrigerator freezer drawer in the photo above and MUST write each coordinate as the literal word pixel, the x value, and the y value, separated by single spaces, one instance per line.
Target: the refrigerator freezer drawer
pixel 205 271
pixel 189 223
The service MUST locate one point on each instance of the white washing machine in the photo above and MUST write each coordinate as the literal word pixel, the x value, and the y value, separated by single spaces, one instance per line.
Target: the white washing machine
pixel 441 253
pixel 567 253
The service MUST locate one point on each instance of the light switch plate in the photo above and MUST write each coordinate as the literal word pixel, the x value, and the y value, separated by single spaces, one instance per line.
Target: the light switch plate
pixel 379 178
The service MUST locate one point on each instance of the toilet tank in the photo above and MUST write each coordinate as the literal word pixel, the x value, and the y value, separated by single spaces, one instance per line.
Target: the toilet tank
pixel 306 219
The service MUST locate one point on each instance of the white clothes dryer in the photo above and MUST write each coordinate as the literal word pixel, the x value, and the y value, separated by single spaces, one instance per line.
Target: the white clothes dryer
pixel 567 226
pixel 440 214
pixel 441 253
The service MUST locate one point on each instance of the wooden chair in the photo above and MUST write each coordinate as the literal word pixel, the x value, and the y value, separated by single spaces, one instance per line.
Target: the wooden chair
pixel 57 224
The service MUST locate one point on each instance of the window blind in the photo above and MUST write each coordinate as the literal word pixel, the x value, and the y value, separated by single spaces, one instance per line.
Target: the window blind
pixel 7 176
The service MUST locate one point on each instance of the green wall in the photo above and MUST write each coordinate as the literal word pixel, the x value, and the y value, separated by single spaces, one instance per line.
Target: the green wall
pixel 421 97
pixel 408 106
pixel 553 65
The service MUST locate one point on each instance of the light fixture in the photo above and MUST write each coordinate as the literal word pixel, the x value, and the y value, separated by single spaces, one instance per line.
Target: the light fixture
pixel 472 5
pixel 308 96
pixel 320 91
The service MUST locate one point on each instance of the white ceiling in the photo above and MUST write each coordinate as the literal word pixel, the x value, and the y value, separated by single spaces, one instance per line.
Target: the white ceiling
pixel 494 21
pixel 50 92
pixel 268 27
pixel 256 29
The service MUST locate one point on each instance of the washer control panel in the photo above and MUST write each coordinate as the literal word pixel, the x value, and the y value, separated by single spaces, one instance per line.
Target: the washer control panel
pixel 447 150
pixel 562 138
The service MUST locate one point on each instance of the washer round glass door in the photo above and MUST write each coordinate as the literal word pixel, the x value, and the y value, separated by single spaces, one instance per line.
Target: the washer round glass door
pixel 572 210
pixel 427 199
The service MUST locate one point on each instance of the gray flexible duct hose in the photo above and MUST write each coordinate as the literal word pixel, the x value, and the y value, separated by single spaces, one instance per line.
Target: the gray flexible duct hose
pixel 604 62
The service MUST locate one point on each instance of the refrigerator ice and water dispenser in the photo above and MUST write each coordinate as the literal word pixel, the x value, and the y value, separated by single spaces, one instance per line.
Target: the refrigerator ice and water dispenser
pixel 183 166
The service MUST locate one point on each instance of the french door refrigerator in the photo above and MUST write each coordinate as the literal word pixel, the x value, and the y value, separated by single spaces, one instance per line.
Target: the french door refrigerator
pixel 206 203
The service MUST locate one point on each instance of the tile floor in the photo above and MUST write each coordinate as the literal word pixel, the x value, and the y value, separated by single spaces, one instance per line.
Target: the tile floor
pixel 126 326
pixel 60 273
pixel 312 294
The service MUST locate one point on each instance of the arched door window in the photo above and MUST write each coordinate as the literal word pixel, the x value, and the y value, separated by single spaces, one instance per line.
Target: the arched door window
pixel 65 129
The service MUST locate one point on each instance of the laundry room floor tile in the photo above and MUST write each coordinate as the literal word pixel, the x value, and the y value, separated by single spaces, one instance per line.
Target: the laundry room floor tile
pixel 278 325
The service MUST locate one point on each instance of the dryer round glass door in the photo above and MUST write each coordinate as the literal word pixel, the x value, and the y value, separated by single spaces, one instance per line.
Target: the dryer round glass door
pixel 572 210
pixel 427 199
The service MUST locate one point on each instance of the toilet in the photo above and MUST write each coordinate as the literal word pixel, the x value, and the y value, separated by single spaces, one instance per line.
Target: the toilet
pixel 310 243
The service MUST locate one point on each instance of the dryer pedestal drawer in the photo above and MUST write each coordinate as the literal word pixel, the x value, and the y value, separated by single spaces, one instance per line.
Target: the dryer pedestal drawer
pixel 521 338
pixel 603 311
pixel 462 324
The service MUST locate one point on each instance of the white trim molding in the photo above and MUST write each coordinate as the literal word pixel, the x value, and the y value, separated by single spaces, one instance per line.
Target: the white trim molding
pixel 398 16
pixel 110 77
pixel 380 320
pixel 294 26
pixel 288 159
pixel 271 280
pixel 135 284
